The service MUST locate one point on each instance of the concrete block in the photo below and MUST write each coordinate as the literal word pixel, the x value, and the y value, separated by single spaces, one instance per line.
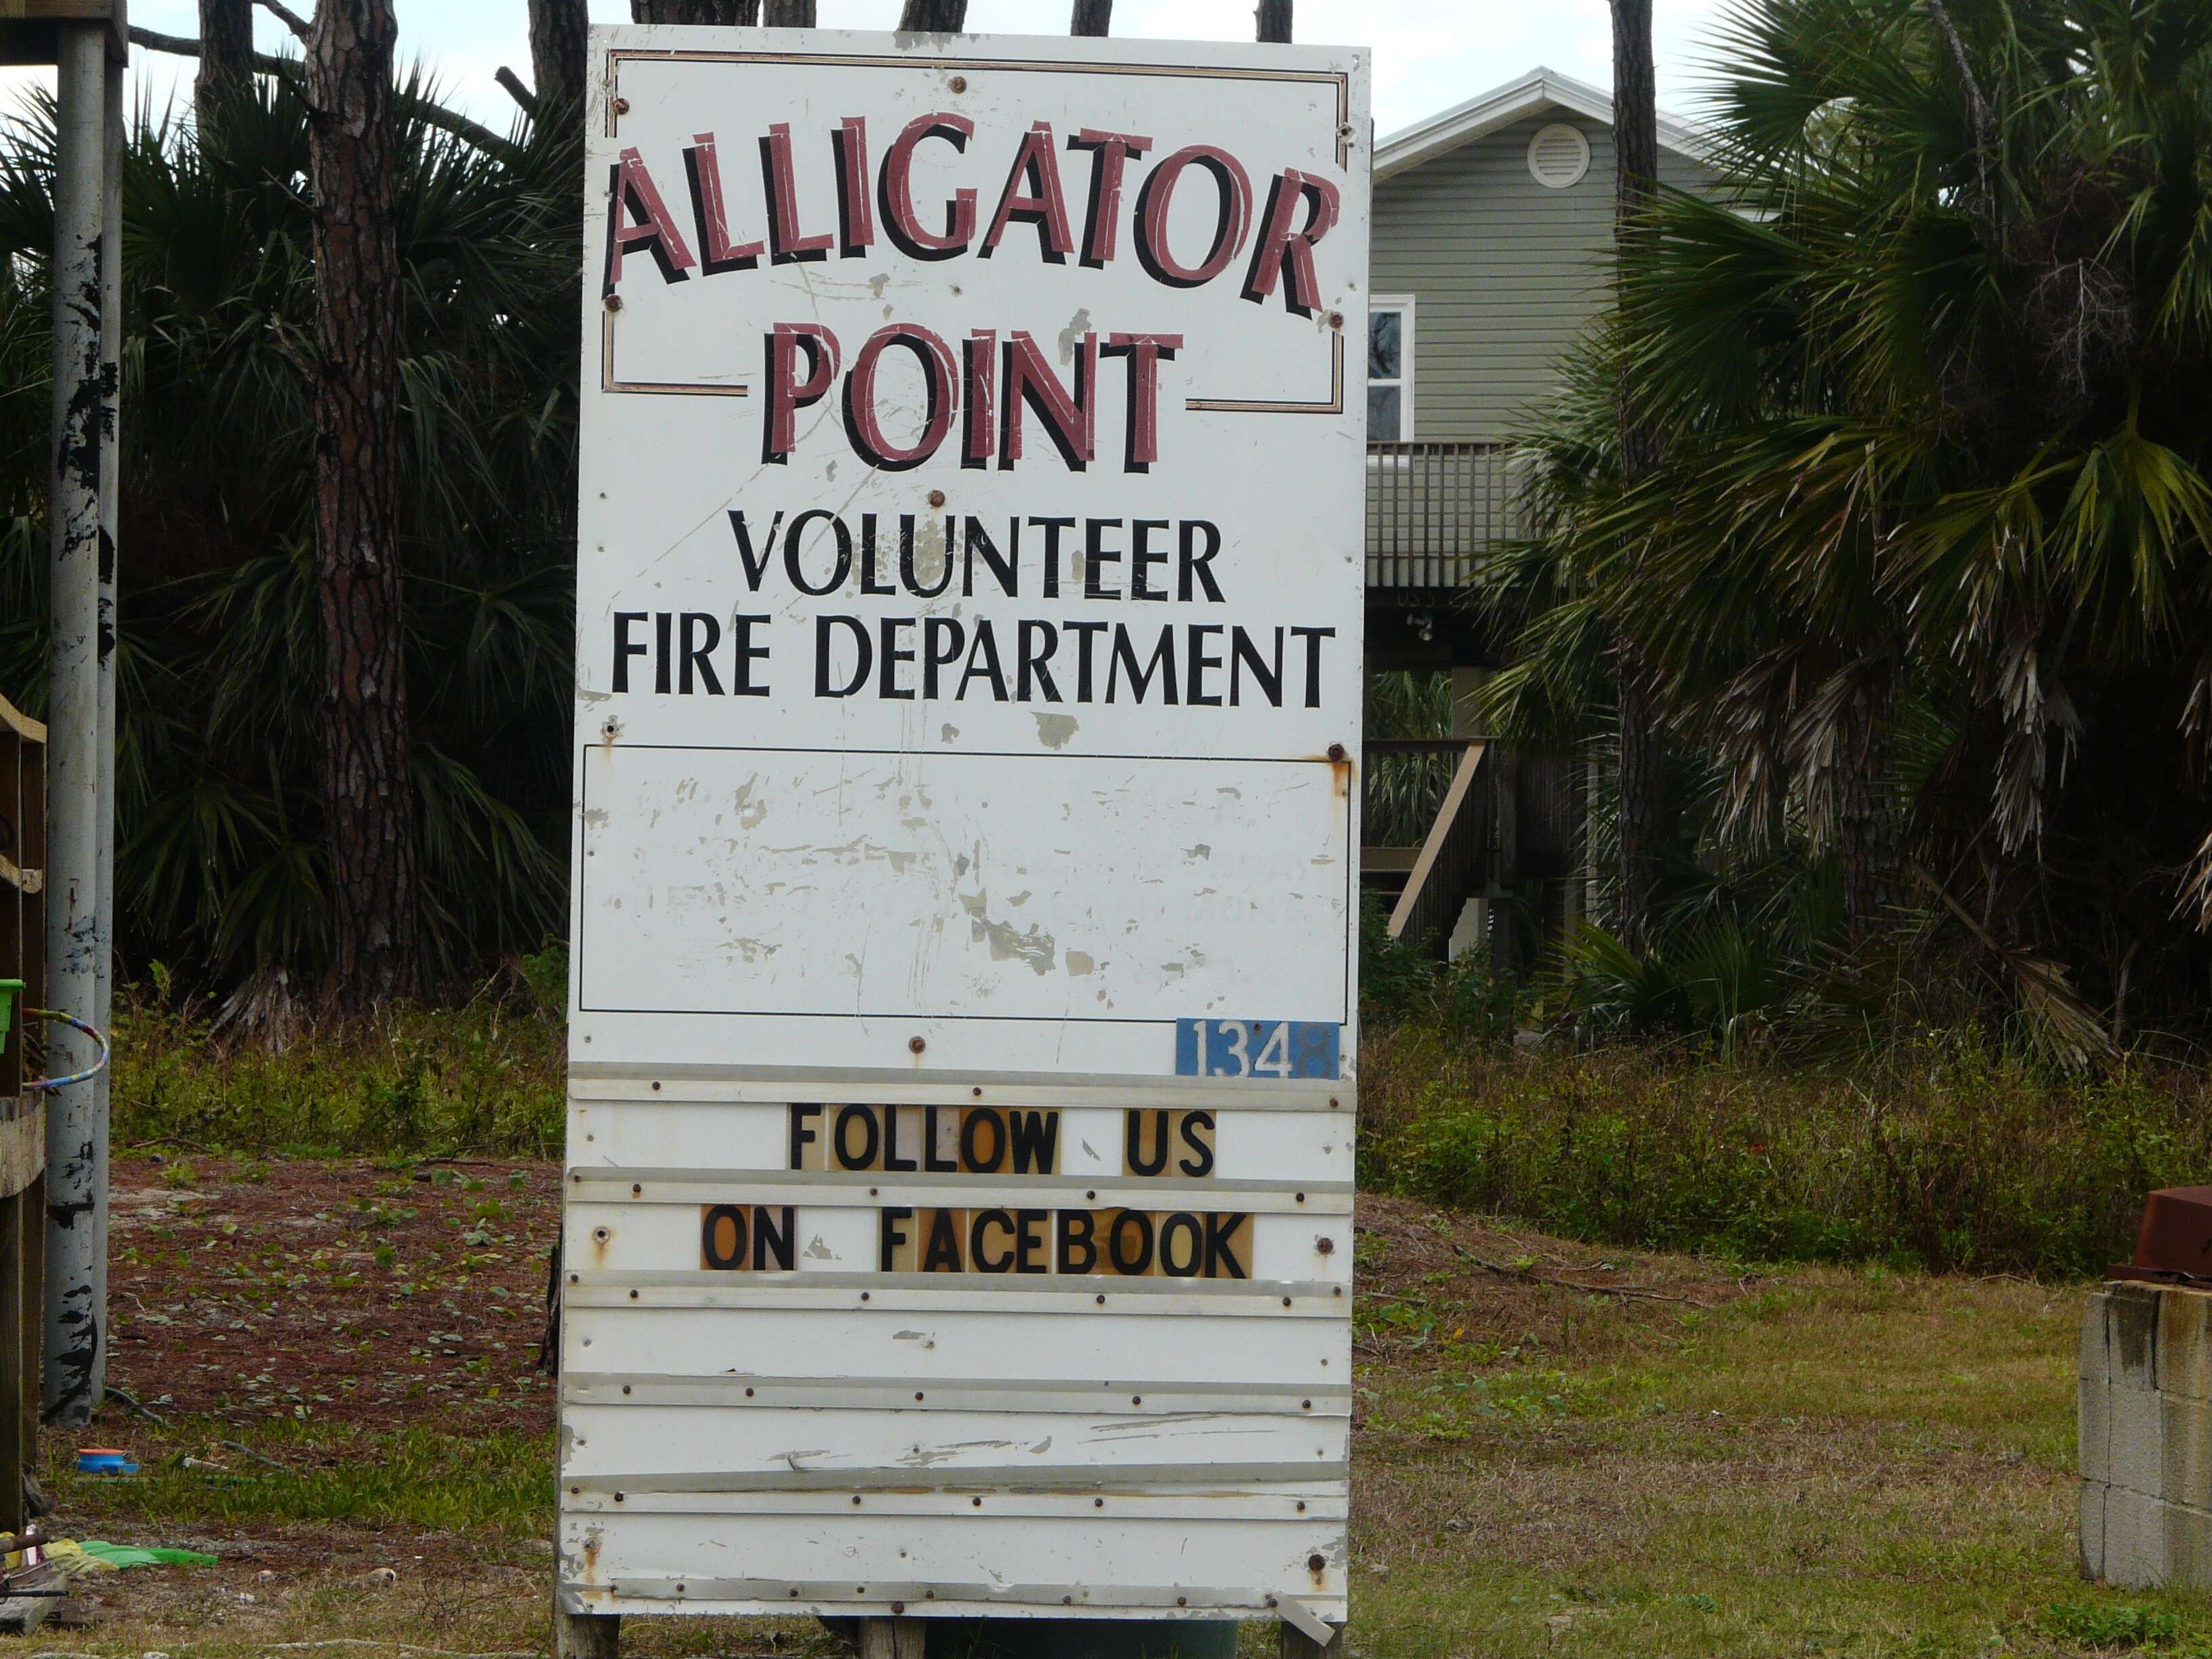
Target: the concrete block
pixel 2096 1361
pixel 2136 1460
pixel 2186 1432
pixel 2131 1333
pixel 2093 1529
pixel 2188 1548
pixel 2135 1539
pixel 2096 1418
pixel 2184 1363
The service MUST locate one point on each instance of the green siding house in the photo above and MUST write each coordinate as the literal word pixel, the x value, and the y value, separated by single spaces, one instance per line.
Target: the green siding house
pixel 1493 220
pixel 1492 233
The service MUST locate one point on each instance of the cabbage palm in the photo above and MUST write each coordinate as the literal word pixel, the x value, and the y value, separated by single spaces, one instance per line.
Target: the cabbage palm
pixel 222 863
pixel 1924 569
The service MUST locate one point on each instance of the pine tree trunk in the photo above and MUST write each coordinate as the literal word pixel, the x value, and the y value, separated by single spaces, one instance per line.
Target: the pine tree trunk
pixel 559 53
pixel 1093 17
pixel 740 13
pixel 1274 22
pixel 1866 828
pixel 225 55
pixel 1644 813
pixel 788 13
pixel 934 16
pixel 367 779
pixel 1645 820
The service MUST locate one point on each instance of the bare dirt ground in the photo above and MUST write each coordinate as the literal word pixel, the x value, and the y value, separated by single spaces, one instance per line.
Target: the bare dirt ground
pixel 339 1291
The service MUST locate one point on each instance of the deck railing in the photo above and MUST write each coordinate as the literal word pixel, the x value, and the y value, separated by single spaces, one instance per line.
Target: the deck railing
pixel 1434 509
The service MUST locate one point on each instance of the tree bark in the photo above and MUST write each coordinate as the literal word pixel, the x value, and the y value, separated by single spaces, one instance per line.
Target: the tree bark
pixel 934 16
pixel 1865 826
pixel 559 53
pixel 1274 22
pixel 1645 817
pixel 1094 17
pixel 1643 810
pixel 740 13
pixel 368 779
pixel 788 13
pixel 225 55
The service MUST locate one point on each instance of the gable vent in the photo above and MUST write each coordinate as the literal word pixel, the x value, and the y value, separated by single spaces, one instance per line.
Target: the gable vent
pixel 1559 156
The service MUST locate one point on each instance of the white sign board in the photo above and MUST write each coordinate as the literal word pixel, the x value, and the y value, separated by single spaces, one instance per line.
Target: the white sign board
pixel 966 866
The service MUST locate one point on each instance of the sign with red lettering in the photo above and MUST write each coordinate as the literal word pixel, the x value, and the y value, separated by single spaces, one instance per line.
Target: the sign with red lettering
pixel 964 1004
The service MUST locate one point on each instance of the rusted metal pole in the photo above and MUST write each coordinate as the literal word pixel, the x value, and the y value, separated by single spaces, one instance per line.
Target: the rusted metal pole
pixel 76 1134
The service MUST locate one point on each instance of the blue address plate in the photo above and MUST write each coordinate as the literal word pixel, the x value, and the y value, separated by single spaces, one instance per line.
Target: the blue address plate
pixel 1267 1049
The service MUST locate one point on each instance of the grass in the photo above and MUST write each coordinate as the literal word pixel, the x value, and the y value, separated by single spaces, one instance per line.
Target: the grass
pixel 1943 1152
pixel 1862 1464
pixel 1714 1461
pixel 484 1076
pixel 1946 1155
pixel 496 1484
pixel 1844 1455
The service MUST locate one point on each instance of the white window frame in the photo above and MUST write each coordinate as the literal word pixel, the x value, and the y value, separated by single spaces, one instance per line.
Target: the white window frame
pixel 1403 304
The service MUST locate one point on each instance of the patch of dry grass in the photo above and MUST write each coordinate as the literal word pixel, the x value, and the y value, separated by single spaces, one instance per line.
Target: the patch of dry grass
pixel 1813 1461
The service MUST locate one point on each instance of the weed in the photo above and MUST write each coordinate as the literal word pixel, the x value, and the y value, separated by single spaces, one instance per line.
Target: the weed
pixel 2108 1625
pixel 401 1083
pixel 1948 1155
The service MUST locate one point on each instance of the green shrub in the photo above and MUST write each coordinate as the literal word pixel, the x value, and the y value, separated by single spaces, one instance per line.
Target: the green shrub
pixel 486 1077
pixel 1948 1155
pixel 2098 1625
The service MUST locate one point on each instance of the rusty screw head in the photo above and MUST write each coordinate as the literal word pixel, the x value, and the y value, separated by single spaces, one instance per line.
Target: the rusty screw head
pixel 959 83
pixel 1313 1563
pixel 1326 1245
pixel 620 106
pixel 1337 753
pixel 937 498
pixel 614 302
pixel 1336 319
pixel 917 1045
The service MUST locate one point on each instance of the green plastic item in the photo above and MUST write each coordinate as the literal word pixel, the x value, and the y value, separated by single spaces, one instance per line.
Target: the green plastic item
pixel 124 1555
pixel 11 992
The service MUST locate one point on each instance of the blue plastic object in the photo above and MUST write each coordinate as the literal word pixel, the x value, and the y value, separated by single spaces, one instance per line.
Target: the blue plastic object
pixel 105 1459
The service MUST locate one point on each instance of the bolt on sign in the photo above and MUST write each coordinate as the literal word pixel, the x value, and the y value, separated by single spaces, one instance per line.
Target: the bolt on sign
pixel 963 1060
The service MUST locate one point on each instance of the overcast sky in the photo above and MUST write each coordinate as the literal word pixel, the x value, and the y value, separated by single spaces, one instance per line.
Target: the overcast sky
pixel 1429 54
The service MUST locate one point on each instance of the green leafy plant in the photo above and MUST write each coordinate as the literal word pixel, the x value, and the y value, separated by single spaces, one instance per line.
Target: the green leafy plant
pixel 219 859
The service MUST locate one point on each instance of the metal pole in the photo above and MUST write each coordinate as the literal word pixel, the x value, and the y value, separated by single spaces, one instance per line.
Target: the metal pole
pixel 111 484
pixel 76 1194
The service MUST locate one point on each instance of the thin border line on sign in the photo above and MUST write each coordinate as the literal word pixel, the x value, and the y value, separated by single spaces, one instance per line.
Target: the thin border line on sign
pixel 584 807
pixel 608 382
pixel 661 388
